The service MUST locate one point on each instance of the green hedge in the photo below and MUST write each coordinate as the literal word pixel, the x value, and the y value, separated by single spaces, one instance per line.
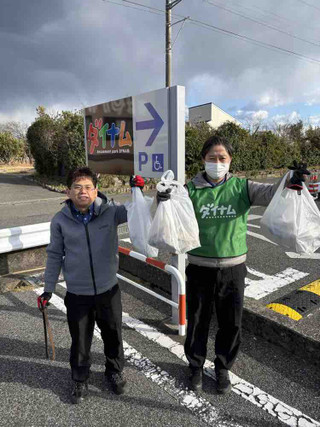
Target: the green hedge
pixel 57 145
pixel 259 150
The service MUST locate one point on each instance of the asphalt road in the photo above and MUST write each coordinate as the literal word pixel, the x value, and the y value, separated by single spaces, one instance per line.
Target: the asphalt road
pixel 270 386
pixel 23 202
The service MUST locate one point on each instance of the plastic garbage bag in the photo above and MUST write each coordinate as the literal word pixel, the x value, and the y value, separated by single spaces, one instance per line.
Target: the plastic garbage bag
pixel 292 220
pixel 174 227
pixel 139 222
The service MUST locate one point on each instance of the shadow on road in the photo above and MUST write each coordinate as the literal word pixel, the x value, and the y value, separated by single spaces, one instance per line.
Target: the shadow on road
pixel 17 179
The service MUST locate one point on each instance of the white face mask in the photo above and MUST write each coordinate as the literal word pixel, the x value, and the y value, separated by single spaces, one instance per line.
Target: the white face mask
pixel 216 170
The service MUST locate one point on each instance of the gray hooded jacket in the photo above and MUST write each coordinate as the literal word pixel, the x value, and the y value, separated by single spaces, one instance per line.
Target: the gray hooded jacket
pixel 87 254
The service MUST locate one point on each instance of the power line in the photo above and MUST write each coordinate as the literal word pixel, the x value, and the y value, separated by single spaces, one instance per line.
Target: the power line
pixel 261 23
pixel 133 7
pixel 309 4
pixel 277 16
pixel 251 40
pixel 265 12
pixel 231 33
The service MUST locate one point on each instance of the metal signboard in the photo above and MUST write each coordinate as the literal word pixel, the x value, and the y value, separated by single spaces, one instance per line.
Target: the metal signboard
pixel 151 136
pixel 109 137
pixel 131 135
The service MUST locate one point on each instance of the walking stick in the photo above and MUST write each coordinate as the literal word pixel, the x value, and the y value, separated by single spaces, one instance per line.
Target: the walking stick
pixel 47 331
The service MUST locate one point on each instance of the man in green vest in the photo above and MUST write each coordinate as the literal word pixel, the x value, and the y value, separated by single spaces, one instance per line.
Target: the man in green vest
pixel 216 271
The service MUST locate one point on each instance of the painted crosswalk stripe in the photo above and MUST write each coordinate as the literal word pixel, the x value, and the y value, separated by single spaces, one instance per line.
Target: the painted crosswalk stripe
pixel 278 409
pixel 199 406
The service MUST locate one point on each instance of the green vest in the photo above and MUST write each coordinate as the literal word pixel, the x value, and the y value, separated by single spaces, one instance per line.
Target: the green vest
pixel 221 213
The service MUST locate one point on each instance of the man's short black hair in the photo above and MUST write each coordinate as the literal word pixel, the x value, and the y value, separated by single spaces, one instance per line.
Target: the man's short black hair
pixel 216 140
pixel 83 172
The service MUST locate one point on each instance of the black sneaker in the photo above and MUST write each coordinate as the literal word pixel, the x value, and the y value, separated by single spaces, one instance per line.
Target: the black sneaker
pixel 195 379
pixel 117 382
pixel 79 391
pixel 223 381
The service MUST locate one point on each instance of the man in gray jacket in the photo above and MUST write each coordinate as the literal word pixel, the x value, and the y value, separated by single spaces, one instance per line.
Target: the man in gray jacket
pixel 84 245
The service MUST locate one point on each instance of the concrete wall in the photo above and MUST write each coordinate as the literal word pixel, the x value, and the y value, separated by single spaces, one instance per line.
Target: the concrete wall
pixel 211 114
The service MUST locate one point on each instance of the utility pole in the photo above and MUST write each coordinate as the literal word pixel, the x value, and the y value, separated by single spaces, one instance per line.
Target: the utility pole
pixel 169 6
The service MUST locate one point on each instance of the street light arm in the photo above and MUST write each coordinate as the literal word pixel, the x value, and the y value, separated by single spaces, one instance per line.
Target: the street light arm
pixel 172 4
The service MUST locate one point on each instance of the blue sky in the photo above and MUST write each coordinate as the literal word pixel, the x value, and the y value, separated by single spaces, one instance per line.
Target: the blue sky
pixel 259 61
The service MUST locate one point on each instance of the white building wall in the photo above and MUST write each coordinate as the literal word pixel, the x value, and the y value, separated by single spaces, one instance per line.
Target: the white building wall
pixel 211 114
pixel 201 113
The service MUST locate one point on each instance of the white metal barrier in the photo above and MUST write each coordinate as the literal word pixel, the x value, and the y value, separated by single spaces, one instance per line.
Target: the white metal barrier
pixel 181 305
pixel 24 237
pixel 29 236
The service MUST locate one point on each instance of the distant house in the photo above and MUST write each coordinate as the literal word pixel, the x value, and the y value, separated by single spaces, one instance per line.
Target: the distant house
pixel 209 113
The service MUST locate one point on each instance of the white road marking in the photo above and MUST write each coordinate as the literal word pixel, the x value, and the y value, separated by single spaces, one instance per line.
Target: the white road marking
pixel 252 217
pixel 258 397
pixel 303 256
pixel 23 202
pixel 258 289
pixel 278 409
pixel 253 225
pixel 199 406
pixel 260 236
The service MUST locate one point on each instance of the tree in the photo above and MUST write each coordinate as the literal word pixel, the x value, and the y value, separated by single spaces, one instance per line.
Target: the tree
pixel 18 130
pixel 195 138
pixel 11 149
pixel 57 142
pixel 238 138
pixel 40 137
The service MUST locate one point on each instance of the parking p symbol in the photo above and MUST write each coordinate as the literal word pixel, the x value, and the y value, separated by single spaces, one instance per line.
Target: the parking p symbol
pixel 143 159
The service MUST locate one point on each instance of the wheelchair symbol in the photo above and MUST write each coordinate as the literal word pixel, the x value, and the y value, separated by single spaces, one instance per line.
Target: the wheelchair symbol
pixel 157 162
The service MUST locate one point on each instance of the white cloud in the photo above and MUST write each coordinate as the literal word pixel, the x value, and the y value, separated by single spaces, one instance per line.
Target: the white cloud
pixel 206 88
pixel 78 52
pixel 314 120
pixel 271 99
pixel 23 115
pixel 283 119
pixel 252 116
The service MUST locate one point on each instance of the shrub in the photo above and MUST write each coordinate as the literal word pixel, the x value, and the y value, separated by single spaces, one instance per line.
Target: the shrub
pixel 11 148
pixel 57 142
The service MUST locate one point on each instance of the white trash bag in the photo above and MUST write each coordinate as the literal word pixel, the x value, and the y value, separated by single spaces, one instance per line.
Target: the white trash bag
pixel 174 227
pixel 292 220
pixel 139 222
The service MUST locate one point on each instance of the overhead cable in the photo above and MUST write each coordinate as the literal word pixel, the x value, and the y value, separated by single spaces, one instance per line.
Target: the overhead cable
pixel 227 32
pixel 256 21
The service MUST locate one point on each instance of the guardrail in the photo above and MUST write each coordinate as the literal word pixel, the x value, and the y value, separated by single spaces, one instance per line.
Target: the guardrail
pixel 27 236
pixel 181 305
pixel 35 235
pixel 314 186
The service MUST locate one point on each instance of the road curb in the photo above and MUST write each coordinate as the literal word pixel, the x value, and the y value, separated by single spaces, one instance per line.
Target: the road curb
pixel 108 190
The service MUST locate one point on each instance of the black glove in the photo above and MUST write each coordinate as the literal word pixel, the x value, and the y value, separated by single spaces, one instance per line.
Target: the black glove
pixel 164 196
pixel 298 177
pixel 43 300
pixel 136 181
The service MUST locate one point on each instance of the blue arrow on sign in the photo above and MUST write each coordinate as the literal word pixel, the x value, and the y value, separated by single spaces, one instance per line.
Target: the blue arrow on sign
pixel 155 124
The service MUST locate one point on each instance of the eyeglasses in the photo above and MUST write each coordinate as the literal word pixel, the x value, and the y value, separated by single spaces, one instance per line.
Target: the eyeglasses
pixel 87 188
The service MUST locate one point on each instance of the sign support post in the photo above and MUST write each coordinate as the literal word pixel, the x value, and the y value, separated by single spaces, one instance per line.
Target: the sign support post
pixel 176 116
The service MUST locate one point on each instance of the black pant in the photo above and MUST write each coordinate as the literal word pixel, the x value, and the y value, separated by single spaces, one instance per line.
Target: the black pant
pixel 223 287
pixel 82 313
